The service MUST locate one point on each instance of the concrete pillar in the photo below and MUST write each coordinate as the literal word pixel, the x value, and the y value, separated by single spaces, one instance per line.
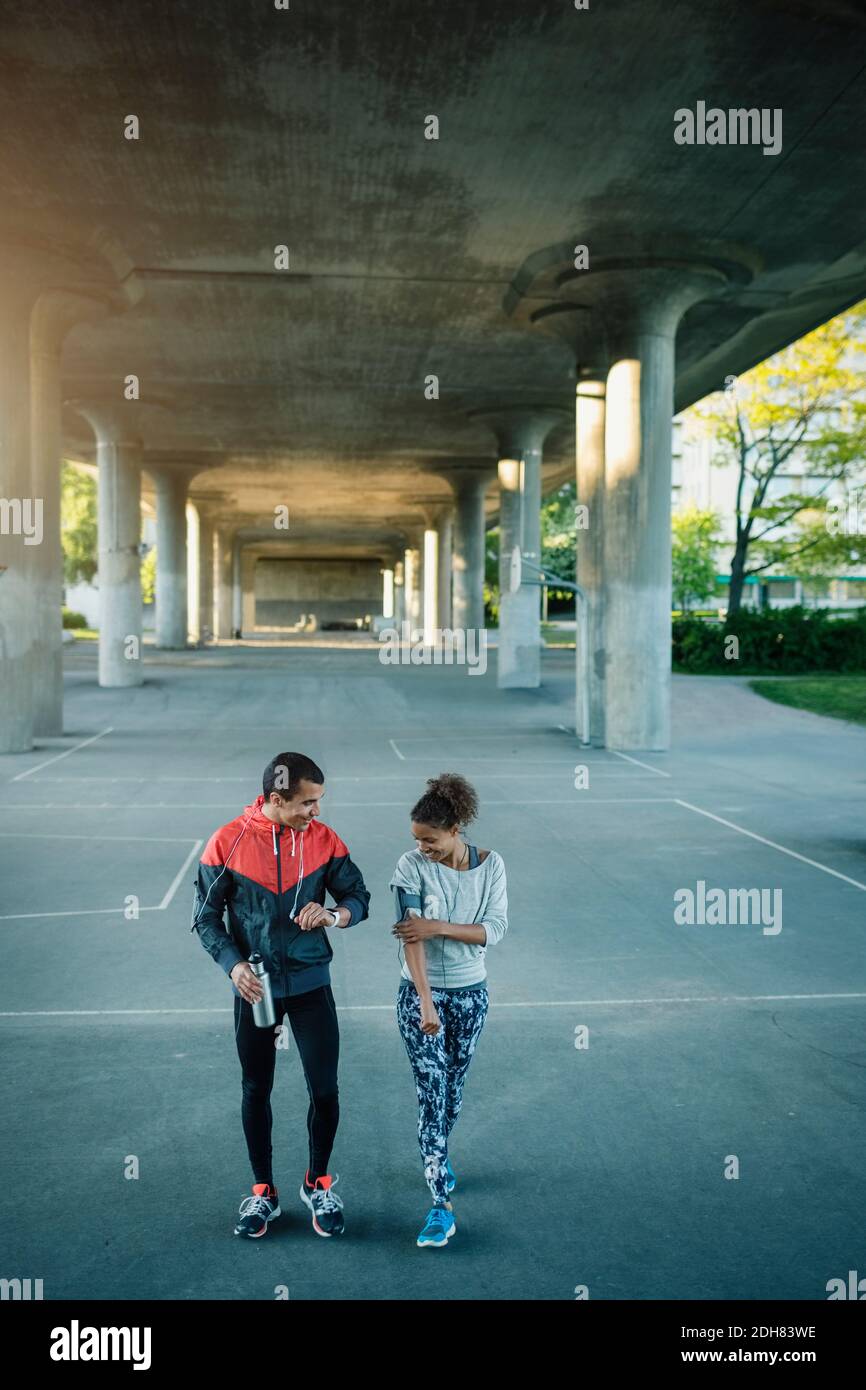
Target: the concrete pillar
pixel 589 462
pixel 21 528
pixel 248 591
pixel 119 457
pixel 430 602
pixel 412 587
pixel 468 549
pixel 520 434
pixel 193 564
pixel 399 595
pixel 223 578
pixel 444 564
pixel 207 623
pixel 171 557
pixel 388 593
pixel 237 594
pixel 54 315
pixel 643 306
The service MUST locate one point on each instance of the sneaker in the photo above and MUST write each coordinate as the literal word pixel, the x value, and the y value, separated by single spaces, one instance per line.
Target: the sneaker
pixel 438 1226
pixel 451 1182
pixel 326 1206
pixel 255 1212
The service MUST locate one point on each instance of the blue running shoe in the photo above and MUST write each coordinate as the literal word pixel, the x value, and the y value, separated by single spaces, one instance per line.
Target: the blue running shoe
pixel 452 1180
pixel 437 1228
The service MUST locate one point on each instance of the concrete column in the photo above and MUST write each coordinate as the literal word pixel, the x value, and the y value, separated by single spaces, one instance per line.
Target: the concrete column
pixel 21 525
pixel 193 564
pixel 399 595
pixel 237 593
pixel 589 461
pixel 430 602
pixel 54 315
pixel 444 564
pixel 119 457
pixel 388 593
pixel 643 308
pixel 248 591
pixel 520 433
pixel 468 551
pixel 206 574
pixel 171 558
pixel 412 587
pixel 224 576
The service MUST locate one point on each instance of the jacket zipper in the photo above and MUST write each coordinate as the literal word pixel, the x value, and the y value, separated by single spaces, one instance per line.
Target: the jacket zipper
pixel 277 851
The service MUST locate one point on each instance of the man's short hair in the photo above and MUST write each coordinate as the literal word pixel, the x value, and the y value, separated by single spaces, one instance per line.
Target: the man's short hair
pixel 286 771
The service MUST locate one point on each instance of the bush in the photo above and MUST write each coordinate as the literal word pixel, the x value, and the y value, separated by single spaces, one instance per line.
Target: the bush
pixel 71 619
pixel 787 641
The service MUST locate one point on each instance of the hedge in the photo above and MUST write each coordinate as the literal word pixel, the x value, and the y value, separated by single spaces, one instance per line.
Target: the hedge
pixel 788 640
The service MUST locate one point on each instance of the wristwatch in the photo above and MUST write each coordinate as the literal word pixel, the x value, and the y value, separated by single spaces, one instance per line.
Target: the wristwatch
pixel 335 916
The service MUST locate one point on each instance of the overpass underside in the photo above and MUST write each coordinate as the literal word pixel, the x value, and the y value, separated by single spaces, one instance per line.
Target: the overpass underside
pixel 356 282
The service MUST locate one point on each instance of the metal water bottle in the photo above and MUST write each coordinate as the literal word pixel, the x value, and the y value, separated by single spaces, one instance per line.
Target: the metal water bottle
pixel 264 1013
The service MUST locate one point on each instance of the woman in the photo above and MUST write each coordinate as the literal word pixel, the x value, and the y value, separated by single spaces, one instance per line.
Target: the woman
pixel 452 903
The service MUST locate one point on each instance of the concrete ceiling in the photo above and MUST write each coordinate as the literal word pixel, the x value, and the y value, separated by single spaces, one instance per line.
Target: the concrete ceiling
pixel 261 127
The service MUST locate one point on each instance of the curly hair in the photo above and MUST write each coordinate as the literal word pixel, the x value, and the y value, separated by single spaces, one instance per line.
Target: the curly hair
pixel 449 800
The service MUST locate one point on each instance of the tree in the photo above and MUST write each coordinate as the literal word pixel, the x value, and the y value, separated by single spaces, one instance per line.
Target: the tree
pixel 804 408
pixel 78 524
pixel 695 537
pixel 559 537
pixel 148 576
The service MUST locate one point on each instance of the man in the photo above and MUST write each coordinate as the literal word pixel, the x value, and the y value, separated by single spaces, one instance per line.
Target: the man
pixel 283 861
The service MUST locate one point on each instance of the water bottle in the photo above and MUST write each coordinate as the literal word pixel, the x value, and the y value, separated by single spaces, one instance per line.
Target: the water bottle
pixel 264 1013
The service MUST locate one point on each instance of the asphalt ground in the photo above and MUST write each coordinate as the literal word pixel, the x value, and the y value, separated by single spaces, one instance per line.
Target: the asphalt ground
pixel 603 1165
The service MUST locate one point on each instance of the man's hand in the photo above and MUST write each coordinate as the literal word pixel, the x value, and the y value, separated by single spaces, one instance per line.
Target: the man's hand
pixel 246 982
pixel 313 915
pixel 412 929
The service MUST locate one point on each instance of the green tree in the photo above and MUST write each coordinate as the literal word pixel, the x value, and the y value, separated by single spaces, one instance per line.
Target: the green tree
pixel 802 412
pixel 559 537
pixel 78 524
pixel 693 563
pixel 148 576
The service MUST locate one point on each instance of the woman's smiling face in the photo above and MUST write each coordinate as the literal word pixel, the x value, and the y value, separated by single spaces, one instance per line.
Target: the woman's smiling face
pixel 435 844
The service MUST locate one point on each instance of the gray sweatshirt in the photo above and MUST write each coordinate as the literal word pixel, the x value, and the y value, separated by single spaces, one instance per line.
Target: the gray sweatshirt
pixel 475 896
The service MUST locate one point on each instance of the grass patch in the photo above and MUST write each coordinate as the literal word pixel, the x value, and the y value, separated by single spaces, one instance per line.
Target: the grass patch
pixel 840 697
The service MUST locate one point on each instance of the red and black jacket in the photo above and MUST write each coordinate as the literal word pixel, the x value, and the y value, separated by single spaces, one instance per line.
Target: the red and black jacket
pixel 263 874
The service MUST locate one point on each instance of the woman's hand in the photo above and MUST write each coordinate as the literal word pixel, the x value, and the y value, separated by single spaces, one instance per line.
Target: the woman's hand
pixel 429 1018
pixel 415 929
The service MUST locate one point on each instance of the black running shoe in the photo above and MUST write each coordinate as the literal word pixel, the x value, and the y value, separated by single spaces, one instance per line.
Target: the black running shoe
pixel 326 1206
pixel 256 1211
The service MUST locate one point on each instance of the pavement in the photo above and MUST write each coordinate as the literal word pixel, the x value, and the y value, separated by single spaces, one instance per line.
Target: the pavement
pixel 655 1109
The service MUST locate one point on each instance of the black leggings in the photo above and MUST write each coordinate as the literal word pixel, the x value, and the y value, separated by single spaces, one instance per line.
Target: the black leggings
pixel 313 1020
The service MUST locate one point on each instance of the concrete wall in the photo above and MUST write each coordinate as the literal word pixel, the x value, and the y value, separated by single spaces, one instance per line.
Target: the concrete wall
pixel 330 589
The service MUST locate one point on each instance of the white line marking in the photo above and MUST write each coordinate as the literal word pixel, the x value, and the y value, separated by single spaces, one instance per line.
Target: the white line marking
pixel 58 756
pixel 170 892
pixel 637 762
pixel 495 1004
pixel 334 806
pixel 813 863
pixel 396 750
pixel 149 839
pixel 104 911
pixel 73 912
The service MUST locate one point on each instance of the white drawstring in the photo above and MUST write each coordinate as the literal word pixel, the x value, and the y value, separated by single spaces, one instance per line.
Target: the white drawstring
pixel 274 833
pixel 293 842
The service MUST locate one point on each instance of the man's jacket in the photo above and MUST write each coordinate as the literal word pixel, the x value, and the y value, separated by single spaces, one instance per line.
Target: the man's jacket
pixel 262 874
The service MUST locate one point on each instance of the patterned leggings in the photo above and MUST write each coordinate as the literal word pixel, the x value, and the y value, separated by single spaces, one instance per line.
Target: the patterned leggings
pixel 439 1063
